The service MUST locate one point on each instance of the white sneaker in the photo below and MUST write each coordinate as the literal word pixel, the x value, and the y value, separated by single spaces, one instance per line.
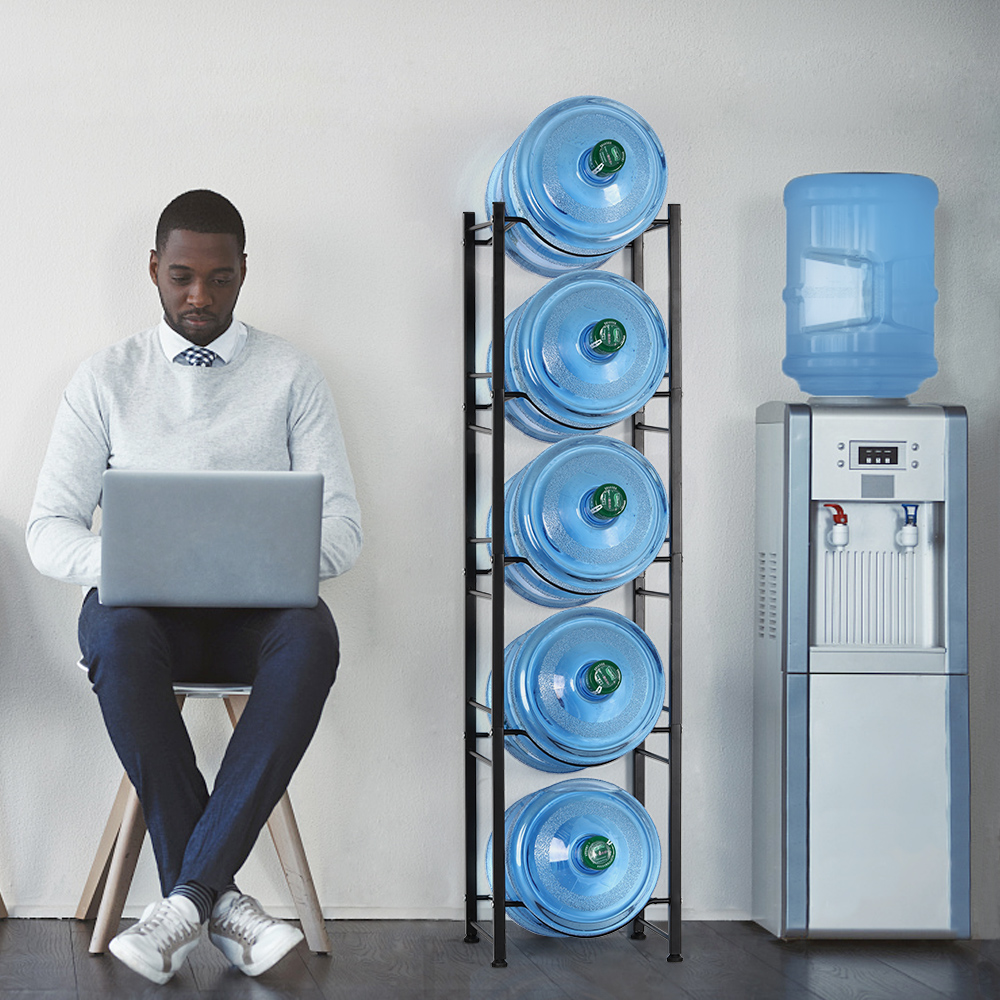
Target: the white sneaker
pixel 251 939
pixel 157 945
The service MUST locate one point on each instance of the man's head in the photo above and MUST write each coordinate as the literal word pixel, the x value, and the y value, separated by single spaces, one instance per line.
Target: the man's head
pixel 199 265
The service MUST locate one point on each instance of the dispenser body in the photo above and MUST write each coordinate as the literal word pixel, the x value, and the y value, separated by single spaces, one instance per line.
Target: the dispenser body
pixel 861 735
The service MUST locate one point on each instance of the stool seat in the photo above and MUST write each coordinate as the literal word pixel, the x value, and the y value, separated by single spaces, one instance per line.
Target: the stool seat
pixel 118 851
pixel 195 689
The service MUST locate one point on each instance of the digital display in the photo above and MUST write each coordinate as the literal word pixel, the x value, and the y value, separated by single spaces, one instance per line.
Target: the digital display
pixel 878 454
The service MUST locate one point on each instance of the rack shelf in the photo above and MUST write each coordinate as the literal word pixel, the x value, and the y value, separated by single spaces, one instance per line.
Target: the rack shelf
pixel 477 598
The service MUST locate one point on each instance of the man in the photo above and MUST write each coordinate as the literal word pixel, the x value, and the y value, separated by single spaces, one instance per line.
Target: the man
pixel 199 391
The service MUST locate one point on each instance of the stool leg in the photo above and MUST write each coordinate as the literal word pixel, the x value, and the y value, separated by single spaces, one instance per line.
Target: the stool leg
pixel 288 843
pixel 94 889
pixel 114 865
pixel 120 872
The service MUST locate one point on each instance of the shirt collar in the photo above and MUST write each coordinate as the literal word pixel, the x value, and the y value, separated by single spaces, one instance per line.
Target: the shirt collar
pixel 227 345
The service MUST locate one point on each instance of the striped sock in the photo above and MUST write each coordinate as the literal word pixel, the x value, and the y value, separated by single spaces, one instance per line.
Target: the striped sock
pixel 202 897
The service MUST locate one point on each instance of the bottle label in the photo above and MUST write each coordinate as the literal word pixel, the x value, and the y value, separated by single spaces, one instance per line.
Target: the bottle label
pixel 607 157
pixel 608 501
pixel 607 336
pixel 597 853
pixel 603 677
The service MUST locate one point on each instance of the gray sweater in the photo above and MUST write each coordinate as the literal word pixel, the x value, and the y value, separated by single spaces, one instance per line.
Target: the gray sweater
pixel 128 407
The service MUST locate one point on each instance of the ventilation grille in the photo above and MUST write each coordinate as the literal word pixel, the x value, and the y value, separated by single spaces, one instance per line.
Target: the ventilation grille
pixel 767 595
pixel 869 599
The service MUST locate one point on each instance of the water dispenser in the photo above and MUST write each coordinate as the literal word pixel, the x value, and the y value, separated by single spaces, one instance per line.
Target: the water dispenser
pixel 861 725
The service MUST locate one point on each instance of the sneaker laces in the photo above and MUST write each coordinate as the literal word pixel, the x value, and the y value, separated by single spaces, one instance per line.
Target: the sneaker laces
pixel 246 920
pixel 166 926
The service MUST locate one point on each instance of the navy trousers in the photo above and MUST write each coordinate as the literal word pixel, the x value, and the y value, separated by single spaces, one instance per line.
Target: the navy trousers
pixel 133 657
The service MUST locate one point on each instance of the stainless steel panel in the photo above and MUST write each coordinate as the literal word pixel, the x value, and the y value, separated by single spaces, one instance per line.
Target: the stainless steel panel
pixel 959 804
pixel 797 890
pixel 838 430
pixel 880 794
pixel 956 583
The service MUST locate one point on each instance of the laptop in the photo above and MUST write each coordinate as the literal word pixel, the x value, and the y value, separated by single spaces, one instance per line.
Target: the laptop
pixel 210 539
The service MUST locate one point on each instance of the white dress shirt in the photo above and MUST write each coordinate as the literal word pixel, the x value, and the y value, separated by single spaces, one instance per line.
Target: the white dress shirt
pixel 226 346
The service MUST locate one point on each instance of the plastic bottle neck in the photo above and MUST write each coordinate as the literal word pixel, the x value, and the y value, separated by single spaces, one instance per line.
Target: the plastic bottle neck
pixel 602 161
pixel 599 679
pixel 595 854
pixel 602 505
pixel 603 340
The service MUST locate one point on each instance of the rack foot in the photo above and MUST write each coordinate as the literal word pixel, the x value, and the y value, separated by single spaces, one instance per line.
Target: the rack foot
pixel 501 964
pixel 675 958
pixel 638 936
pixel 472 939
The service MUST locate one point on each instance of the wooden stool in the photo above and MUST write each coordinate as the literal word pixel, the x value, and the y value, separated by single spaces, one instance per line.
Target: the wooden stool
pixel 114 864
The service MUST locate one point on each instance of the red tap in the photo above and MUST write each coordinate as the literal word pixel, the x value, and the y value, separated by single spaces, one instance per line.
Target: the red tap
pixel 839 517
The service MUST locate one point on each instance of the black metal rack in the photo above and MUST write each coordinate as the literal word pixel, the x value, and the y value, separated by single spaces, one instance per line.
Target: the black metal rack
pixel 477 597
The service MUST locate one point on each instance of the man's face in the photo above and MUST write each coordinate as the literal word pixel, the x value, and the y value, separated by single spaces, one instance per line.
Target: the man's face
pixel 199 276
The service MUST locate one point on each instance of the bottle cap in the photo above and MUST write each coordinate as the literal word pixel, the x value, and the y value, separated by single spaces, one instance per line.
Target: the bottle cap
pixel 597 853
pixel 602 677
pixel 608 501
pixel 607 336
pixel 607 157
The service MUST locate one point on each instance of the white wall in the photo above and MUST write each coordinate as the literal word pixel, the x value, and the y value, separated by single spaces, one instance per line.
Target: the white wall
pixel 352 135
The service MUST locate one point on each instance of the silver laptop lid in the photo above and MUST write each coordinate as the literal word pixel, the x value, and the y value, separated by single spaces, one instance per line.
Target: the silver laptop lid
pixel 210 539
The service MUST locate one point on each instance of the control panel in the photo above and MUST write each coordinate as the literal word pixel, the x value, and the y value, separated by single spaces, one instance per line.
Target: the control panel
pixel 870 453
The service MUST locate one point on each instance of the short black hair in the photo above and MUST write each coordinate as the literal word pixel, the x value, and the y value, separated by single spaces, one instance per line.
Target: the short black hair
pixel 201 212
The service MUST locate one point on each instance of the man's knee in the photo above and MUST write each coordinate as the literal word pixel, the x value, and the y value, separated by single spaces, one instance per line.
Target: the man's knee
pixel 305 640
pixel 118 640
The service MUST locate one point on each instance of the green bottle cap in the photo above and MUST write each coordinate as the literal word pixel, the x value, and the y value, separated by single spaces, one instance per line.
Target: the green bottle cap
pixel 597 853
pixel 602 677
pixel 608 501
pixel 607 336
pixel 607 157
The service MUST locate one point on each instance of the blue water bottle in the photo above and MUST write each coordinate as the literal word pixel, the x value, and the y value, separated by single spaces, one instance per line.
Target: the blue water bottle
pixel 582 855
pixel 588 514
pixel 589 174
pixel 589 349
pixel 860 294
pixel 586 685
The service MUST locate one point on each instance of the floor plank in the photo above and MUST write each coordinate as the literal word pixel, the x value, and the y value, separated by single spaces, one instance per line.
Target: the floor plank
pixel 859 970
pixel 36 955
pixel 413 960
pixel 429 960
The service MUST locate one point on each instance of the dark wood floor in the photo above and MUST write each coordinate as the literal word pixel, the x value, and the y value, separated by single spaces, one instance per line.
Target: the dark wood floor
pixel 386 960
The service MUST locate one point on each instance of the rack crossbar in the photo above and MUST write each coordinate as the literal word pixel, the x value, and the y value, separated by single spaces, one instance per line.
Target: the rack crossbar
pixel 651 926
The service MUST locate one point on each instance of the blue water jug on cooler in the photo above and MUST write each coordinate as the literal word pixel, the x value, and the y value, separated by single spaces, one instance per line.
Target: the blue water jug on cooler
pixel 587 685
pixel 589 349
pixel 588 514
pixel 589 174
pixel 860 294
pixel 582 855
